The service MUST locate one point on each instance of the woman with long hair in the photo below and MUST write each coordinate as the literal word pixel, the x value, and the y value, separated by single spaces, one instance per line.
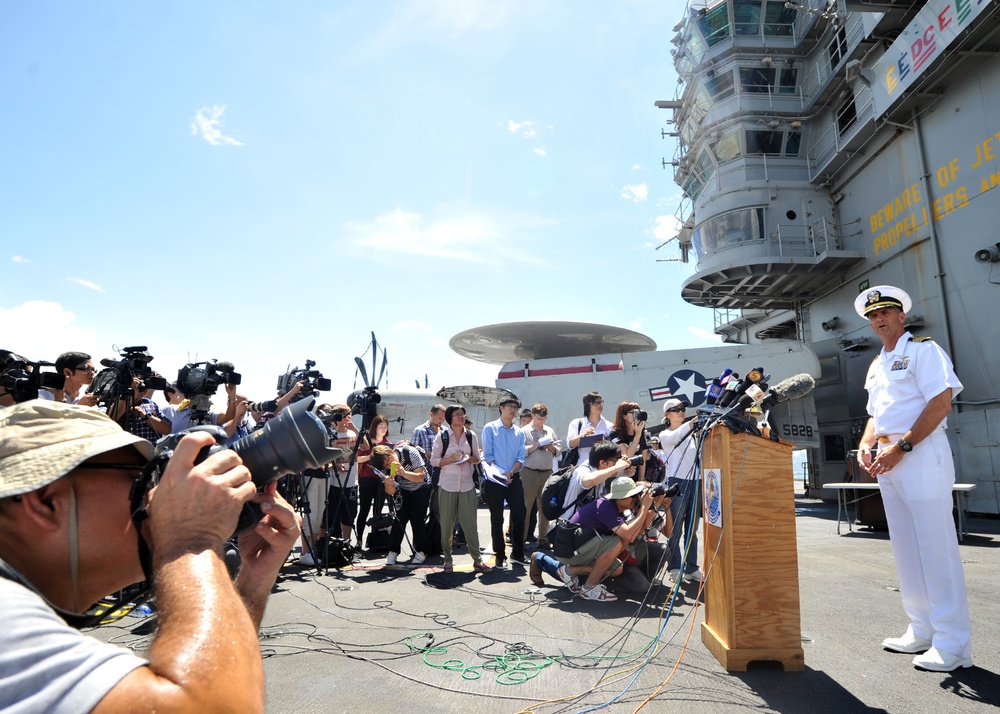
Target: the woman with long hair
pixel 370 489
pixel 631 435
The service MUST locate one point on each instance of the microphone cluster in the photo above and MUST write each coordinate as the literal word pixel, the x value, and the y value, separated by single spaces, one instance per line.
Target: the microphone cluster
pixel 728 397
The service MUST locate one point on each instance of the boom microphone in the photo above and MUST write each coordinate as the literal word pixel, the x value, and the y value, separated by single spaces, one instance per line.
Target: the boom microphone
pixel 794 387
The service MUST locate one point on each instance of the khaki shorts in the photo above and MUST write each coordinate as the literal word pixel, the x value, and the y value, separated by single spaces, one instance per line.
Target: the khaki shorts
pixel 594 549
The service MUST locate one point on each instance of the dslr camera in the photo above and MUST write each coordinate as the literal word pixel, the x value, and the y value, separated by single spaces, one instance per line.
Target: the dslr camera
pixel 639 415
pixel 636 460
pixel 293 441
pixel 660 489
pixel 312 380
pixel 22 378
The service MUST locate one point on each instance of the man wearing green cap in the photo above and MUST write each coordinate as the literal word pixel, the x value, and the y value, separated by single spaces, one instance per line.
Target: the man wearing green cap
pixel 67 540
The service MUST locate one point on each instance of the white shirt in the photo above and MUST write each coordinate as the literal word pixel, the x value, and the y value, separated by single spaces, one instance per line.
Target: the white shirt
pixel 578 426
pixel 901 383
pixel 680 460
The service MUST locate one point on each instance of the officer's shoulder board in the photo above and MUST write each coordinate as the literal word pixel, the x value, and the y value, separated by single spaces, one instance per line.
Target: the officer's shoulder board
pixel 925 338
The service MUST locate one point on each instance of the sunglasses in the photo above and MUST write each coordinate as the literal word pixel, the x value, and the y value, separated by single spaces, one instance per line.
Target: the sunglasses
pixel 677 409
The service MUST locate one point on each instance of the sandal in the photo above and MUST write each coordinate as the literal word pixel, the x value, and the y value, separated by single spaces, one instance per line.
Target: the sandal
pixel 448 567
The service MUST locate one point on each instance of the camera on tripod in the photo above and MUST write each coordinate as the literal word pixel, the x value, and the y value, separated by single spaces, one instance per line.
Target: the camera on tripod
pixel 115 381
pixel 22 378
pixel 312 380
pixel 204 378
pixel 365 403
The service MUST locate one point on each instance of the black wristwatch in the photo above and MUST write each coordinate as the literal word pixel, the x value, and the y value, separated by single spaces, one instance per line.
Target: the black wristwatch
pixel 906 446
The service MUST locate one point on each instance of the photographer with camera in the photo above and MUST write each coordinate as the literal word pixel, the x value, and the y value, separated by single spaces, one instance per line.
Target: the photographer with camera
pixel 67 539
pixel 607 527
pixel 681 447
pixel 629 431
pixel 78 369
pixel 407 481
pixel 145 418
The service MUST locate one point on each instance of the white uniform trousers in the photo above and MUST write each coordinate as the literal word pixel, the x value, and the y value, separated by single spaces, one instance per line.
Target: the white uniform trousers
pixel 918 508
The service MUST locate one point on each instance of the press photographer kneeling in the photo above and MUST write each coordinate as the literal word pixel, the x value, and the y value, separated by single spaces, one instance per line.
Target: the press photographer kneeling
pixel 617 527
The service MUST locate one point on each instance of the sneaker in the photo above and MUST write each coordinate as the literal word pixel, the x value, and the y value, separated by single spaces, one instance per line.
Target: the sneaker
pixel 482 567
pixel 569 580
pixel 519 560
pixel 535 571
pixel 448 567
pixel 391 559
pixel 418 558
pixel 695 575
pixel 306 561
pixel 599 593
pixel 675 575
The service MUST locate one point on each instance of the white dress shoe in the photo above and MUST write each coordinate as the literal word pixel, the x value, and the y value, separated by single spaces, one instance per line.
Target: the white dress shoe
pixel 940 661
pixel 907 644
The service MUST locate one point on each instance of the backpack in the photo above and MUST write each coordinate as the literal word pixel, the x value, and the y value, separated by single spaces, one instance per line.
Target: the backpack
pixel 554 493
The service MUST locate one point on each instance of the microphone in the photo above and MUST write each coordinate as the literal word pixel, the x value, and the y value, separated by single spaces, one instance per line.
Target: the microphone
pixel 794 387
pixel 715 388
pixel 754 376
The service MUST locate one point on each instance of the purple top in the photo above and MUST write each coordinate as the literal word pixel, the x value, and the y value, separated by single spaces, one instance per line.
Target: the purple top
pixel 602 515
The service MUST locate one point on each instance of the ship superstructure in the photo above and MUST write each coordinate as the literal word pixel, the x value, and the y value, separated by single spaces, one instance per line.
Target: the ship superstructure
pixel 828 146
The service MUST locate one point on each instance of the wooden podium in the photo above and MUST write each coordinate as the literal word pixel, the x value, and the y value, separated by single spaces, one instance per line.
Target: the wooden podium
pixel 752 588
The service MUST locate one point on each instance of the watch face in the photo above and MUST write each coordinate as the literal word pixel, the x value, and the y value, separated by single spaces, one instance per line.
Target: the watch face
pixel 905 445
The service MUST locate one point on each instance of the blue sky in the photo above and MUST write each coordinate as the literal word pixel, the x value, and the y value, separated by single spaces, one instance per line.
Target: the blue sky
pixel 270 182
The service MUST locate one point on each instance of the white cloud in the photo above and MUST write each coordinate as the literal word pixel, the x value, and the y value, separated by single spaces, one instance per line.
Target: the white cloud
pixel 704 335
pixel 666 227
pixel 540 152
pixel 636 193
pixel 525 129
pixel 636 167
pixel 19 259
pixel 411 326
pixel 470 238
pixel 208 123
pixel 23 335
pixel 87 284
pixel 635 325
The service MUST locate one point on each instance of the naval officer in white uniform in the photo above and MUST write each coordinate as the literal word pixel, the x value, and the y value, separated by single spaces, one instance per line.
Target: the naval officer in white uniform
pixel 910 387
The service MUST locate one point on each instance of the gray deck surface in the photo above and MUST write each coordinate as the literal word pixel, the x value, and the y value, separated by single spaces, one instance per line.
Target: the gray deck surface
pixel 338 642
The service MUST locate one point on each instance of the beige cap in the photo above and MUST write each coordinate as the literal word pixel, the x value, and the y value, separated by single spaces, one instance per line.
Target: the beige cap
pixel 42 441
pixel 623 487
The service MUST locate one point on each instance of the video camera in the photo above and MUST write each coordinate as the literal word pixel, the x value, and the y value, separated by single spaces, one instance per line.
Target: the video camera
pixel 204 378
pixel 22 378
pixel 312 380
pixel 365 402
pixel 115 381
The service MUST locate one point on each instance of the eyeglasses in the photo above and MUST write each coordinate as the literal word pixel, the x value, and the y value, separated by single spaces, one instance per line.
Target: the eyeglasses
pixel 598 403
pixel 85 368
